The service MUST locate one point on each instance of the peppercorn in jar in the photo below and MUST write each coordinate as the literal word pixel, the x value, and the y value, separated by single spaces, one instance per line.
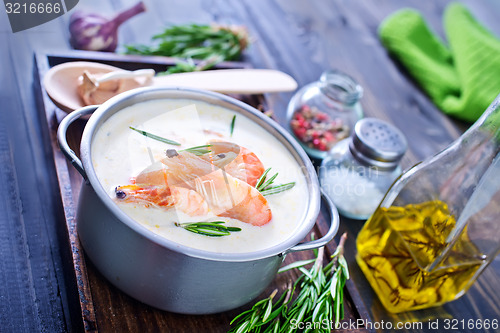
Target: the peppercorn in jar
pixel 324 112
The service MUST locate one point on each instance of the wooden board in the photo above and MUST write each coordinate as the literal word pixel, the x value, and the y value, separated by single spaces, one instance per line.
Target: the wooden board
pixel 99 306
pixel 301 38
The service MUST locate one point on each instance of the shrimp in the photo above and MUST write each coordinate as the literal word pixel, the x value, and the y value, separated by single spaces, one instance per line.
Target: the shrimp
pixel 236 160
pixel 184 199
pixel 225 195
pixel 155 174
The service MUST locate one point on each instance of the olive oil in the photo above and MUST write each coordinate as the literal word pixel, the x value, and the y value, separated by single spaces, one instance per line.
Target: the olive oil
pixel 400 251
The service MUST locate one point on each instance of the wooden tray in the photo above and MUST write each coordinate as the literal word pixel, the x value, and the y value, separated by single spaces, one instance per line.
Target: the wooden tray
pixel 96 305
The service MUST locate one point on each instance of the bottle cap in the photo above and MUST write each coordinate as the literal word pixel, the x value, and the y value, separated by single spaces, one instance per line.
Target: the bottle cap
pixel 377 143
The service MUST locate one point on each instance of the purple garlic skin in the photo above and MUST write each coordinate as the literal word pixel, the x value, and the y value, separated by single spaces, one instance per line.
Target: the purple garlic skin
pixel 93 32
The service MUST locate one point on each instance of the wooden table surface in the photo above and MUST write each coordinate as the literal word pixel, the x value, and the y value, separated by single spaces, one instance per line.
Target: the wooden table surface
pixel 302 38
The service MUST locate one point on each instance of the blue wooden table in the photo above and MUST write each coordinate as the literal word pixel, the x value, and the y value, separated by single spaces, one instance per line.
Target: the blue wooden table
pixel 37 287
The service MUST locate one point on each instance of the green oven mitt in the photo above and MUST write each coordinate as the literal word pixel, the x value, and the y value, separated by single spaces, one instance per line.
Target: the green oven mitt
pixel 462 79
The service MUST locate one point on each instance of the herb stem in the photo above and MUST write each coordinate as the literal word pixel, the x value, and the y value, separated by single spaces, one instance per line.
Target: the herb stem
pixel 198 150
pixel 211 229
pixel 209 43
pixel 320 298
pixel 231 129
pixel 155 137
pixel 262 179
pixel 277 189
pixel 264 185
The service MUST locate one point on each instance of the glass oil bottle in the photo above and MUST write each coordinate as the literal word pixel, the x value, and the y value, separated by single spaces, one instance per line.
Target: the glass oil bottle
pixel 438 226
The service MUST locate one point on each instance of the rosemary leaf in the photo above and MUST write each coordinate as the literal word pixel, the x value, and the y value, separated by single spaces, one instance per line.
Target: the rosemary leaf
pixel 262 178
pixel 231 129
pixel 276 327
pixel 253 322
pixel 305 272
pixel 243 328
pixel 240 316
pixel 302 312
pixel 264 185
pixel 338 303
pixel 211 229
pixel 198 150
pixel 343 264
pixel 278 188
pixel 269 182
pixel 208 231
pixel 320 298
pixel 155 137
pixel 269 308
pixel 264 315
pixel 333 287
pixel 296 264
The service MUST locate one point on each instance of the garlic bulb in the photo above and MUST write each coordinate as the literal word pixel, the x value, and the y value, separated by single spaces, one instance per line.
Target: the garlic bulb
pixel 93 32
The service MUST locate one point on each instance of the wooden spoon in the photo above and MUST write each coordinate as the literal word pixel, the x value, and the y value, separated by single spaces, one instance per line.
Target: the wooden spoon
pixel 62 81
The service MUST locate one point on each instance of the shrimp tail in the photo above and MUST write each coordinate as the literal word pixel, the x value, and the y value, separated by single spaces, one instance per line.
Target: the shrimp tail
pixel 253 209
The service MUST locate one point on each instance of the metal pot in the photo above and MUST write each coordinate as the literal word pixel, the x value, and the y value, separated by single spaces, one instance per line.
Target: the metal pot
pixel 160 272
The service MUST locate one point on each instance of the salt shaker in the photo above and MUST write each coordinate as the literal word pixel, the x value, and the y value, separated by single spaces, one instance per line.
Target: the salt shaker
pixel 359 170
pixel 324 112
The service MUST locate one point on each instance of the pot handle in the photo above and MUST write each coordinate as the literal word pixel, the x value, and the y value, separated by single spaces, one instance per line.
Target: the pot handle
pixel 63 143
pixel 334 227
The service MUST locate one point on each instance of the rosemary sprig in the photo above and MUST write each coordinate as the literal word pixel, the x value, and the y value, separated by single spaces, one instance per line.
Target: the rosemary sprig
pixel 262 179
pixel 310 283
pixel 188 65
pixel 262 182
pixel 264 185
pixel 211 229
pixel 210 43
pixel 265 316
pixel 322 291
pixel 155 137
pixel 320 298
pixel 335 286
pixel 198 150
pixel 231 128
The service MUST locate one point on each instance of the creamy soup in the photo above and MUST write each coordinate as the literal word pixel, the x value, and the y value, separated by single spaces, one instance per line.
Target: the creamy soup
pixel 120 154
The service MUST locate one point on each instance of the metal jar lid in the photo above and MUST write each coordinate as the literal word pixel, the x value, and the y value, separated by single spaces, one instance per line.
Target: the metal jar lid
pixel 377 143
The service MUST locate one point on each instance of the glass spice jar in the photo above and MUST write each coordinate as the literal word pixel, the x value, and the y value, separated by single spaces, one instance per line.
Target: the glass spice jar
pixel 359 170
pixel 324 112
